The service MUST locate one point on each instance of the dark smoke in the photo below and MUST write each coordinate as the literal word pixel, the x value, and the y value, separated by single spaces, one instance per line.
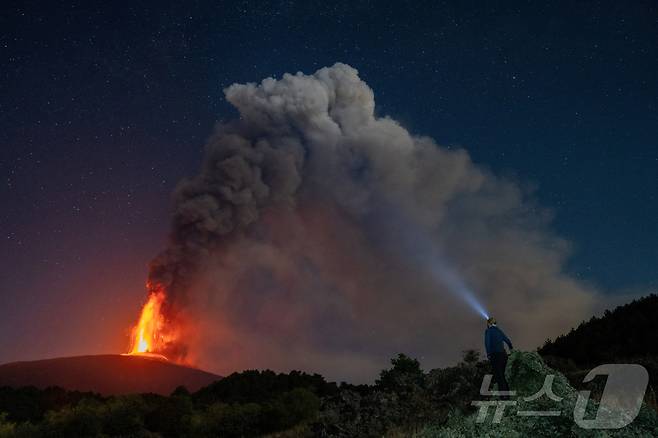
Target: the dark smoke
pixel 240 176
pixel 244 170
pixel 294 245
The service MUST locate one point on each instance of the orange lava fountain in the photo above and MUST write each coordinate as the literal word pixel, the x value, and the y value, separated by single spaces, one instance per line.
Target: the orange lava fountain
pixel 148 335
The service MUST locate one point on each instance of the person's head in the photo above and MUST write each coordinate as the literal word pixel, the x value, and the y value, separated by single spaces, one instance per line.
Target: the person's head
pixel 491 321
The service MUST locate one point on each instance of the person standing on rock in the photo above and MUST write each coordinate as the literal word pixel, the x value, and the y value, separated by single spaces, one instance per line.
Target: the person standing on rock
pixel 493 343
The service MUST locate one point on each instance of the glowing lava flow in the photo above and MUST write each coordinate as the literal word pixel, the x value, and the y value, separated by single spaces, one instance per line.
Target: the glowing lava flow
pixel 147 335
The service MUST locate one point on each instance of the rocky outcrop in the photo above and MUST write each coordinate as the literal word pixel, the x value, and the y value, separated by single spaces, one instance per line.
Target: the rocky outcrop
pixel 527 374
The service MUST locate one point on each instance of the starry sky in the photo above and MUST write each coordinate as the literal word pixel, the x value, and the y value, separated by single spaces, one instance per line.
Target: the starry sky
pixel 104 108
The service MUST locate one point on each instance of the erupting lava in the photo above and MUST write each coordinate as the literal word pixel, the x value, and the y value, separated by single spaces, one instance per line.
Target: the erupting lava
pixel 148 336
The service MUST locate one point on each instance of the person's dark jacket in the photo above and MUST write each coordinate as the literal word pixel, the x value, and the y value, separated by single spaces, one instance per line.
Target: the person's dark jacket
pixel 493 340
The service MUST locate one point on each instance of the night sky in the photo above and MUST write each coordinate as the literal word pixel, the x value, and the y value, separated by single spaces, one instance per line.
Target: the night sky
pixel 104 108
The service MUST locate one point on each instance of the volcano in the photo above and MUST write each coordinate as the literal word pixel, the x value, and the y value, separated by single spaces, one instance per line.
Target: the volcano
pixel 108 374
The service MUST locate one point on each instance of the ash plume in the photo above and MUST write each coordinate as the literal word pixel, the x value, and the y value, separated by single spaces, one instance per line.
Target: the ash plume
pixel 298 244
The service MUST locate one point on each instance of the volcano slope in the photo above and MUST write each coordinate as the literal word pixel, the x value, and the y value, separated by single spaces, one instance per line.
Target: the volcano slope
pixel 108 374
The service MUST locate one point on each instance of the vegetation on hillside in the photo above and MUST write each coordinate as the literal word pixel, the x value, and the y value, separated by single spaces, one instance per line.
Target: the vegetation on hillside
pixel 629 331
pixel 627 334
pixel 243 404
pixel 526 373
pixel 404 400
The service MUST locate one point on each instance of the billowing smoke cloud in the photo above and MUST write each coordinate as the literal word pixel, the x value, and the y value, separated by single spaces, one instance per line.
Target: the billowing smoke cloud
pixel 313 235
